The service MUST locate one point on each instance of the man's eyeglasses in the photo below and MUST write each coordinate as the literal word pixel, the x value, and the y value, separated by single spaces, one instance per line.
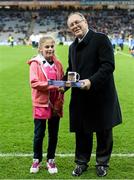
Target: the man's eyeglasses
pixel 77 22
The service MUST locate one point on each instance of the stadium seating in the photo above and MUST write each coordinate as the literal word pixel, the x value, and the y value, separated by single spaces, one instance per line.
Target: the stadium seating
pixel 22 23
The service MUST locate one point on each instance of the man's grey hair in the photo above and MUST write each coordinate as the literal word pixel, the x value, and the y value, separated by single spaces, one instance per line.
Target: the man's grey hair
pixel 77 13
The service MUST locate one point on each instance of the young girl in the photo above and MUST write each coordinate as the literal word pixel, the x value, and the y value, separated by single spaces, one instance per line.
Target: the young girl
pixel 47 102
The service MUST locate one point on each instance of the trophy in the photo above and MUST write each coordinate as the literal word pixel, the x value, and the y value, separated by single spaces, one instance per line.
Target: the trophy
pixel 72 81
pixel 73 76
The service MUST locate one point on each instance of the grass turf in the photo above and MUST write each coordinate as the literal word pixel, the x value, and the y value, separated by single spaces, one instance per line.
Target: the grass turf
pixel 16 124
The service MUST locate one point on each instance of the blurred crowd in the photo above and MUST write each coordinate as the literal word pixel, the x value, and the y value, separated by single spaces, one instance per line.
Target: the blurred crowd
pixel 23 24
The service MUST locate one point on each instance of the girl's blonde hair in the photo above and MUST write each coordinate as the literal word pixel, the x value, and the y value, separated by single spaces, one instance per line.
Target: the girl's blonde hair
pixel 43 39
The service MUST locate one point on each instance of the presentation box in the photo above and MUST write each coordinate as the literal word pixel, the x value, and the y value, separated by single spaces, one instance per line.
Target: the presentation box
pixel 65 83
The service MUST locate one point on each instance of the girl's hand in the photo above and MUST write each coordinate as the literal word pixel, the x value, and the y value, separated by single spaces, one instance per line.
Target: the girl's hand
pixel 61 89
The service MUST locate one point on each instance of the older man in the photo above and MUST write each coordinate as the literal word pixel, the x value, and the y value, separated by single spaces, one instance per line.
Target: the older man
pixel 94 107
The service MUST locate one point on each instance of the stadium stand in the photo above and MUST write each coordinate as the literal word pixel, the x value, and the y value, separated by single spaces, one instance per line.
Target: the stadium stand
pixel 22 21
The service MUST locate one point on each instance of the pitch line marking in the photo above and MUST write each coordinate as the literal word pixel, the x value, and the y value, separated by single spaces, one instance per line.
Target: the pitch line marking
pixel 125 54
pixel 60 155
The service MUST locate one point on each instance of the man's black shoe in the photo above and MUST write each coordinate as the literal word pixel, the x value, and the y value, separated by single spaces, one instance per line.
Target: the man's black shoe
pixel 101 171
pixel 79 169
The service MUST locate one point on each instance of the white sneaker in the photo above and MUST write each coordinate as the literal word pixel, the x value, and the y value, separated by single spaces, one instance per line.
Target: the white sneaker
pixel 51 166
pixel 35 166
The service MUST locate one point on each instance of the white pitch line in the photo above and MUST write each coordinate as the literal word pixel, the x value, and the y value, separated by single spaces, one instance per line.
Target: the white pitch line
pixel 124 54
pixel 60 155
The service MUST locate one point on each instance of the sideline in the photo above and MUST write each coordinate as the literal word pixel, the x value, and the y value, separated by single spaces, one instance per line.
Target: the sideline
pixel 119 52
pixel 60 155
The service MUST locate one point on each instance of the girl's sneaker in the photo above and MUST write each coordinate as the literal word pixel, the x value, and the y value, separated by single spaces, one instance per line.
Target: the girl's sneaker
pixel 51 166
pixel 35 166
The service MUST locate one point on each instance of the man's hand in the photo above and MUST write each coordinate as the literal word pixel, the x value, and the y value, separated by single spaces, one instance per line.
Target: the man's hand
pixel 86 84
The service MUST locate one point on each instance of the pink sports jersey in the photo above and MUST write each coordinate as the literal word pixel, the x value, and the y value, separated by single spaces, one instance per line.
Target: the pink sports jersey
pixel 46 112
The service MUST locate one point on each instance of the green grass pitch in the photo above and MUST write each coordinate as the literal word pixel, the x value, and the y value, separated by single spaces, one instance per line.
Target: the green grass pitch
pixel 16 123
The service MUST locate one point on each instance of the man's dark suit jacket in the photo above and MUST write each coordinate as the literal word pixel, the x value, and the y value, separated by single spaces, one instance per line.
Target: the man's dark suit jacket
pixel 98 108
